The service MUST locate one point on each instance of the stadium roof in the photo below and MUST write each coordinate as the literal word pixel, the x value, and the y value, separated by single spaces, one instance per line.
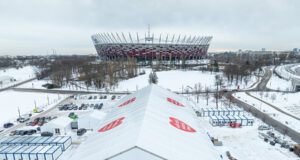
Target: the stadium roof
pixel 111 38
pixel 152 123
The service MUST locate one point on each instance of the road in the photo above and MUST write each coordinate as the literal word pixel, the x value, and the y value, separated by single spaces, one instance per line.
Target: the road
pixel 15 85
pixel 262 85
pixel 282 128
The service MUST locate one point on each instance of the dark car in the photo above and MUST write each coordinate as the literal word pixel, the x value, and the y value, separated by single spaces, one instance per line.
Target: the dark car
pixel 71 114
pixel 8 125
pixel 105 97
pixel 81 131
pixel 31 132
pixel 90 97
pixel 46 134
pixel 113 97
pixel 18 132
pixel 23 132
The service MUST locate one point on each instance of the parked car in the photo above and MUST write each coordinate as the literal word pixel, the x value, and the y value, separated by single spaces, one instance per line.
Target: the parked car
pixel 74 125
pixel 263 127
pixel 12 133
pixel 71 114
pixel 81 131
pixel 22 120
pixel 29 123
pixel 46 134
pixel 113 97
pixel 23 132
pixel 105 97
pixel 90 97
pixel 95 97
pixel 8 125
pixel 272 143
pixel 41 122
pixel 18 132
pixel 38 110
pixel 31 132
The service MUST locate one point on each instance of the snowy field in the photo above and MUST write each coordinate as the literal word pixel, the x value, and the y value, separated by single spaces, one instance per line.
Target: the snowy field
pixel 21 74
pixel 289 102
pixel 280 84
pixel 179 80
pixel 283 118
pixel 25 101
pixel 175 80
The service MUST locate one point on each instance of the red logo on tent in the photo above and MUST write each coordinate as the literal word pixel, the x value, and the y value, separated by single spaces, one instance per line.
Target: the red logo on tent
pixel 181 125
pixel 127 102
pixel 175 102
pixel 112 125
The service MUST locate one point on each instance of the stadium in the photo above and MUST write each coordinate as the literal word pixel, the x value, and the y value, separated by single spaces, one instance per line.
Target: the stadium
pixel 109 45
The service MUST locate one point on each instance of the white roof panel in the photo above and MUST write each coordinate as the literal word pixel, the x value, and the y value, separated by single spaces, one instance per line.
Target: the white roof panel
pixel 154 120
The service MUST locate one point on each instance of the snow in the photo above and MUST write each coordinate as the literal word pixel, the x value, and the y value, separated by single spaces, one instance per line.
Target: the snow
pixel 288 71
pixel 280 84
pixel 175 80
pixel 25 101
pixel 289 102
pixel 281 117
pixel 179 80
pixel 21 74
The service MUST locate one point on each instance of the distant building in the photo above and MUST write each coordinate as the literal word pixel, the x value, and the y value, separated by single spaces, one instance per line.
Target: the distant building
pixel 295 50
pixel 263 49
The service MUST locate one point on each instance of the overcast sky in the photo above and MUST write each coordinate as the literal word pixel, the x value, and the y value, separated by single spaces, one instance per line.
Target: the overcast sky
pixel 39 26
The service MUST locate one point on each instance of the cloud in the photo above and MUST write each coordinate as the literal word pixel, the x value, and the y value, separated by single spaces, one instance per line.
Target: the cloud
pixel 35 26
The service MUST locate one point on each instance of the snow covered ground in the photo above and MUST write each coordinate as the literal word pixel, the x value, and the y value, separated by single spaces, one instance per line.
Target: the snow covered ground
pixel 243 143
pixel 25 101
pixel 280 84
pixel 283 118
pixel 175 80
pixel 289 102
pixel 288 71
pixel 21 74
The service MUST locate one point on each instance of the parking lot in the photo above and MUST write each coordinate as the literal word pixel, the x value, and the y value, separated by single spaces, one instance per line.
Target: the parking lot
pixel 72 107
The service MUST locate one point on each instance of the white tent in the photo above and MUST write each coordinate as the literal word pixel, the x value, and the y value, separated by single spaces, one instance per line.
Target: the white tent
pixel 91 120
pixel 152 123
pixel 59 126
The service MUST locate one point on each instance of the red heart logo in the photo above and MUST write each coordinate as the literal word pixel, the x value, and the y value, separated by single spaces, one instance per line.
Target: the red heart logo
pixel 112 125
pixel 181 125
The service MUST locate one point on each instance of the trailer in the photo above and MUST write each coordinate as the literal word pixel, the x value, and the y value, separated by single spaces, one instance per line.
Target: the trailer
pixel 64 142
pixel 11 154
pixel 3 153
pixel 41 154
pixel 9 139
pixel 18 154
pixel 33 153
pixel 25 154
pixel 52 153
pixel 28 140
